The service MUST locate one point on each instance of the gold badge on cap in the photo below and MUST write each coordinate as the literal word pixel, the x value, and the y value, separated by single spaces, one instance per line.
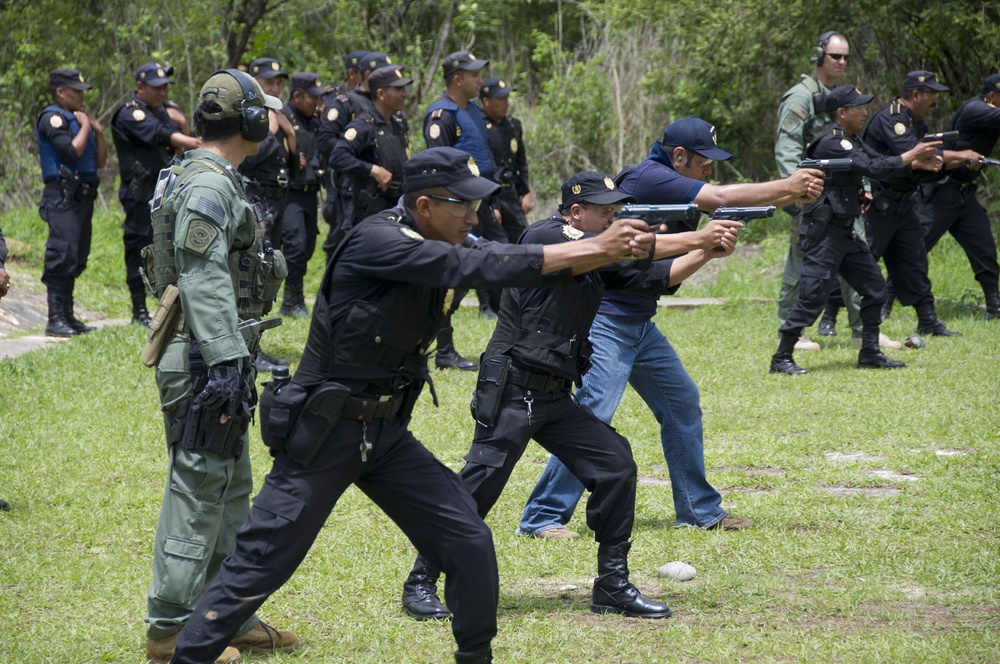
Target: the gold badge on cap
pixel 410 233
pixel 317 83
pixel 856 89
pixel 434 131
pixel 80 76
pixel 486 90
pixel 513 145
pixel 455 63
pixel 398 73
pixel 899 128
pixel 388 60
pixel 921 78
pixel 372 63
pixel 160 73
pixel 55 120
pixel 473 168
pixel 609 183
pixel 332 114
pixel 350 134
pixel 846 144
pixel 502 84
pixel 471 56
pixel 138 115
pixel 275 66
pixel 577 189
pixel 571 233
pixel 142 74
pixel 256 68
pixel 354 61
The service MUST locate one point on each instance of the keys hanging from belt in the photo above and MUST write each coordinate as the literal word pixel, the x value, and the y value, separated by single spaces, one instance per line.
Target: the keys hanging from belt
pixel 527 402
pixel 365 446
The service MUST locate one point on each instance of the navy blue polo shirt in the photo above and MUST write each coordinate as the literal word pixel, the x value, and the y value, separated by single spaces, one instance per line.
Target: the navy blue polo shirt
pixel 653 182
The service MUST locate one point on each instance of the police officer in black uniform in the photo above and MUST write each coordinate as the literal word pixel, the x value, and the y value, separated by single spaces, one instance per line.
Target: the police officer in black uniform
pixel 375 145
pixel 299 224
pixel 826 235
pixel 896 234
pixel 950 205
pixel 506 139
pixel 341 109
pixel 71 147
pixel 146 138
pixel 343 419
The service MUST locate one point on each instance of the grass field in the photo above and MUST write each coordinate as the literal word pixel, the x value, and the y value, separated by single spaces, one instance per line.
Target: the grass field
pixel 874 493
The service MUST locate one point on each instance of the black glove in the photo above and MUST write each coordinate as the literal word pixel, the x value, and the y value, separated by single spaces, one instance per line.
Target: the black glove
pixel 225 389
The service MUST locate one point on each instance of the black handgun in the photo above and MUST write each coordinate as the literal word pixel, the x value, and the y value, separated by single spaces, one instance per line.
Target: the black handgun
pixel 743 214
pixel 827 165
pixel 940 136
pixel 677 218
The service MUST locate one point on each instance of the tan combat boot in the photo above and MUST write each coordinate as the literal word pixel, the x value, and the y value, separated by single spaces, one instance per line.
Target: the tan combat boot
pixel 160 651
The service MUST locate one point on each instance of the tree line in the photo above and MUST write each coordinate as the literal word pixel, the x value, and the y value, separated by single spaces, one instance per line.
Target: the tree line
pixel 596 81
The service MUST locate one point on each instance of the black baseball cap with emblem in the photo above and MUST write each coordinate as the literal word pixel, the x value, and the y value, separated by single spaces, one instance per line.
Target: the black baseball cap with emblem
pixel 373 60
pixel 694 134
pixel 308 82
pixel 450 168
pixel 461 61
pixel 154 74
pixel 68 78
pixel 353 60
pixel 390 76
pixel 592 187
pixel 991 83
pixel 845 95
pixel 923 80
pixel 266 68
pixel 495 87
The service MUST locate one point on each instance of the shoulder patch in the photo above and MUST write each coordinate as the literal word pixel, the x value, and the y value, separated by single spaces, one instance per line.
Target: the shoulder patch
pixel 571 233
pixel 899 128
pixel 434 131
pixel 846 144
pixel 410 233
pixel 332 114
pixel 138 115
pixel 211 210
pixel 837 131
pixel 350 134
pixel 55 121
pixel 343 99
pixel 437 113
pixel 799 111
pixel 200 235
pixel 513 145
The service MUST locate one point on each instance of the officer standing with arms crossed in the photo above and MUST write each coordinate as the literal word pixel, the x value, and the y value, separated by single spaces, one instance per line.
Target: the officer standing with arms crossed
pixel 209 251
pixel 299 229
pixel 363 367
pixel 538 350
pixel 827 239
pixel 146 138
pixel 507 145
pixel 896 233
pixel 375 146
pixel 951 205
pixel 71 147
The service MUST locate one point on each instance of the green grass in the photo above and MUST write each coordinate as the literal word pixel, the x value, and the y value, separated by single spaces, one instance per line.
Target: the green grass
pixel 912 576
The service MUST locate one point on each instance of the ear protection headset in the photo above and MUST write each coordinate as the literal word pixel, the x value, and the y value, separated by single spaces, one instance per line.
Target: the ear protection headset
pixel 254 123
pixel 819 50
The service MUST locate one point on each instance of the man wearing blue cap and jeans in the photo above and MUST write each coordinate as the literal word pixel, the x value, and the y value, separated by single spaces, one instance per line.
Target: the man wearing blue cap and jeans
pixel 628 348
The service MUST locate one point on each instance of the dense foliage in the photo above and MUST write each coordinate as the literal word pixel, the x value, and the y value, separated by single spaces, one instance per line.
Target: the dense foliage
pixel 596 81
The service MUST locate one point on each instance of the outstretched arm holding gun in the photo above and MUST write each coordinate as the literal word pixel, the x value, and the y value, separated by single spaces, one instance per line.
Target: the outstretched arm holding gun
pixel 677 233
pixel 954 158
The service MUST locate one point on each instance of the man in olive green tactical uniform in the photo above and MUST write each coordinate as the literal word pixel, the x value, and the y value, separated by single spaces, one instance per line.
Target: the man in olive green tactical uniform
pixel 798 124
pixel 206 243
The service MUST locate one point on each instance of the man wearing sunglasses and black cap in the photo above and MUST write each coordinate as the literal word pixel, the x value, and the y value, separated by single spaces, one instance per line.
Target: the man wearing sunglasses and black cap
pixel 365 362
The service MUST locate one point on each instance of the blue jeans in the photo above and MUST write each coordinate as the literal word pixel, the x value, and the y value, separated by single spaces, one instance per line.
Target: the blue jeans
pixel 635 352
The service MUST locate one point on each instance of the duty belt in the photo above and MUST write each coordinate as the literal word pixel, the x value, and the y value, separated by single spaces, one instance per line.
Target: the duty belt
pixel 272 190
pixel 87 190
pixel 531 380
pixel 305 188
pixel 959 185
pixel 842 222
pixel 371 408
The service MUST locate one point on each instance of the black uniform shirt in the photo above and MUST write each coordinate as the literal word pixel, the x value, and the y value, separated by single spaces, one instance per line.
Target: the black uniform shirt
pixel 893 131
pixel 305 135
pixel 978 124
pixel 340 110
pixel 507 145
pixel 270 162
pixel 355 152
pixel 142 134
pixel 546 329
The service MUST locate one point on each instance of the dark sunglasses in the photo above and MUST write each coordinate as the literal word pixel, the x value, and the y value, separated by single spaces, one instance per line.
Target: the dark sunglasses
pixel 840 56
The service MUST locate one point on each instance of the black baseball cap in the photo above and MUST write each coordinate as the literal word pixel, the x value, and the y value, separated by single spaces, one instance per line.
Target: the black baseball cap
pixel 592 187
pixel 461 61
pixel 845 95
pixel 373 60
pixel 353 60
pixel 495 87
pixel 68 78
pixel 991 83
pixel 309 82
pixel 390 76
pixel 266 68
pixel 154 74
pixel 450 168
pixel 696 135
pixel 916 80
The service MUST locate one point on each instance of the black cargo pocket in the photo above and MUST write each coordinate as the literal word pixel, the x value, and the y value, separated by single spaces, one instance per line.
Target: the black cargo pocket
pixel 273 511
pixel 316 420
pixel 486 455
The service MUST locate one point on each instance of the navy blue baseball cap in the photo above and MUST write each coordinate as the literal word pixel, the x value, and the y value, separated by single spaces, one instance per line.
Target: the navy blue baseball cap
pixel 68 78
pixel 450 168
pixel 154 74
pixel 495 87
pixel 309 82
pixel 461 61
pixel 373 60
pixel 266 68
pixel 991 83
pixel 845 95
pixel 696 135
pixel 923 80
pixel 390 76
pixel 592 187
pixel 353 60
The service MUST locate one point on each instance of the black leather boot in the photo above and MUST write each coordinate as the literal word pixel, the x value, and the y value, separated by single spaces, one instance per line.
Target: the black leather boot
pixel 614 593
pixel 871 356
pixel 420 598
pixel 447 357
pixel 890 297
pixel 79 326
pixel 828 324
pixel 485 306
pixel 478 656
pixel 993 306
pixel 139 313
pixel 58 326
pixel 782 362
pixel 293 302
pixel 929 323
